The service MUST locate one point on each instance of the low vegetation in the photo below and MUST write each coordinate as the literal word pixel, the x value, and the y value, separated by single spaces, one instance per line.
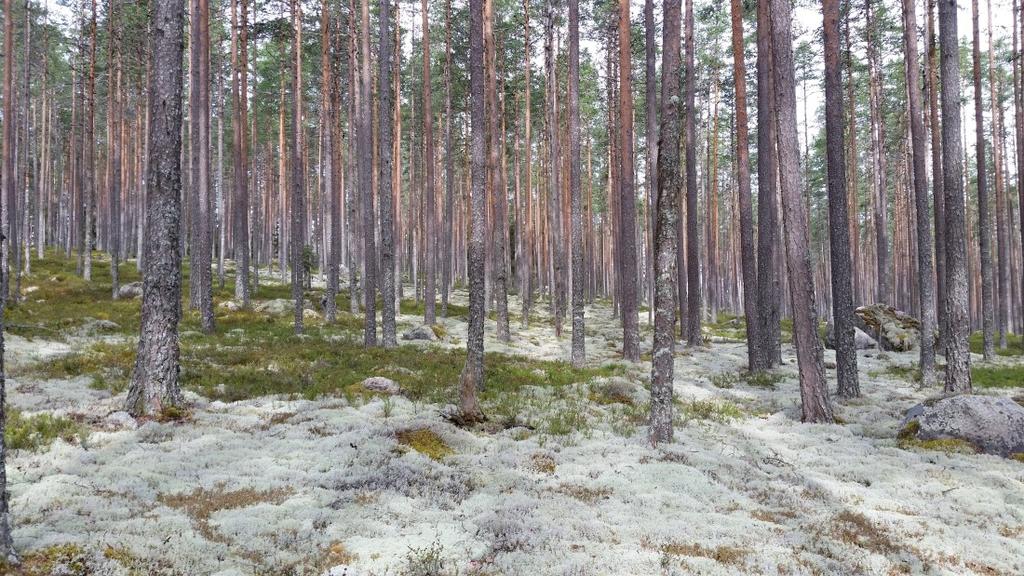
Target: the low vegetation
pixel 38 431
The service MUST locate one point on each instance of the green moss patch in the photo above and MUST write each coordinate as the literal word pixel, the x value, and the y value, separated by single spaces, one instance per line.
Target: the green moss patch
pixel 426 442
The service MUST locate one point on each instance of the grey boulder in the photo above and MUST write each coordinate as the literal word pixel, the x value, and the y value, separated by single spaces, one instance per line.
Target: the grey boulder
pixel 992 424
pixel 422 332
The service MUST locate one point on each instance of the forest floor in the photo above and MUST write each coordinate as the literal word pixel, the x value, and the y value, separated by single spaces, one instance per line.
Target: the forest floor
pixel 284 464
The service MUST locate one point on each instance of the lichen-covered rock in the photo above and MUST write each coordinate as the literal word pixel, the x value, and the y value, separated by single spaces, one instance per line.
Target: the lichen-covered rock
pixel 130 290
pixel 897 331
pixel 861 339
pixel 230 306
pixel 93 326
pixel 276 307
pixel 422 332
pixel 993 425
pixel 381 384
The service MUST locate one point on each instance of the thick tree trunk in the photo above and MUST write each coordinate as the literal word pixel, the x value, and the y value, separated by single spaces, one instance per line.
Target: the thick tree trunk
pixel 578 338
pixel 384 151
pixel 839 227
pixel 473 371
pixel 958 358
pixel 627 204
pixel 767 352
pixel 815 403
pixel 926 295
pixel 154 382
pixel 665 233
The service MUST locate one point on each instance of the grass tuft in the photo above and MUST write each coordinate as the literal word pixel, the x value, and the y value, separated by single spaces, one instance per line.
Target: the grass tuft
pixel 40 430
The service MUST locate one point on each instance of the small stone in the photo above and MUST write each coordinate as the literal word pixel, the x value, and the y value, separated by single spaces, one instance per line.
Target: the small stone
pixel 119 420
pixel 422 332
pixel 230 306
pixel 830 364
pixel 130 291
pixel 382 385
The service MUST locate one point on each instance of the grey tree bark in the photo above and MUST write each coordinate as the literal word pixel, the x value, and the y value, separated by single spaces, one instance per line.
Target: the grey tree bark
pixel 579 353
pixel 366 185
pixel 767 352
pixel 815 403
pixel 958 358
pixel 554 179
pixel 429 185
pixel 473 372
pixel 926 293
pixel 154 383
pixel 693 290
pixel 839 225
pixel 239 119
pixel 384 151
pixel 665 232
pixel 298 207
pixel 328 167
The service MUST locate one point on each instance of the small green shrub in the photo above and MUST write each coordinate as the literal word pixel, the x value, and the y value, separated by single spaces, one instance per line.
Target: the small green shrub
pixel 39 430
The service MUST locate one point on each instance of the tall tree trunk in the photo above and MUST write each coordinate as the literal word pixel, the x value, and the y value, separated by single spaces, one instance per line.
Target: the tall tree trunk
pixel 984 204
pixel 693 305
pixel 767 353
pixel 449 163
pixel 89 162
pixel 665 233
pixel 926 295
pixel 473 372
pixel 554 187
pixel 499 276
pixel 366 185
pixel 815 403
pixel 958 358
pixel 239 120
pixel 114 122
pixel 199 117
pixel 651 138
pixel 154 382
pixel 384 114
pixel 578 338
pixel 1002 235
pixel 746 209
pixel 937 180
pixel 429 189
pixel 7 180
pixel 883 274
pixel 298 207
pixel 328 166
pixel 627 266
pixel 839 228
